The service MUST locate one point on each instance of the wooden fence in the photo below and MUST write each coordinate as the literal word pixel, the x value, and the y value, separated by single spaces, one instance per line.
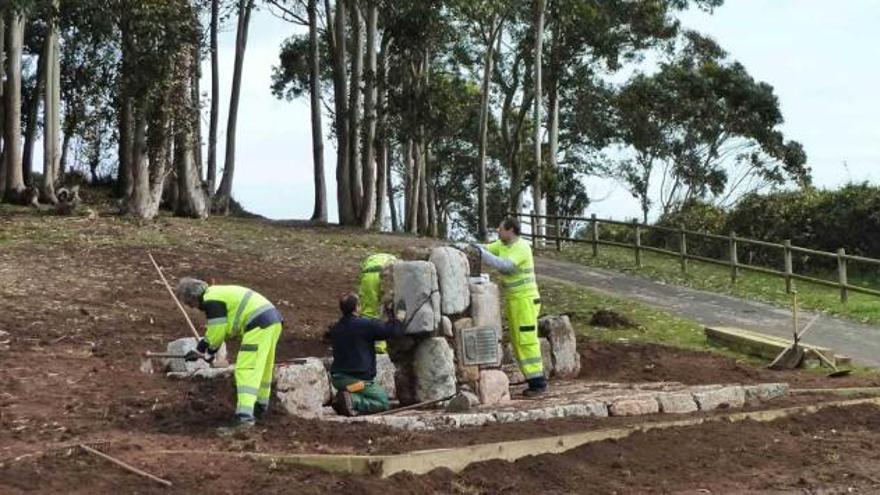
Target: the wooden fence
pixel 554 223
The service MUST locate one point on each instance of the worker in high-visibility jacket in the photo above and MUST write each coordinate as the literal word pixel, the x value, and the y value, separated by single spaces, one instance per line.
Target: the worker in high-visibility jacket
pixel 233 311
pixel 512 256
pixel 370 289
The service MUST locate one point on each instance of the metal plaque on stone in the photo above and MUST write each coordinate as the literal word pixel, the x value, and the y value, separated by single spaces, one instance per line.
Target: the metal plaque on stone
pixel 478 345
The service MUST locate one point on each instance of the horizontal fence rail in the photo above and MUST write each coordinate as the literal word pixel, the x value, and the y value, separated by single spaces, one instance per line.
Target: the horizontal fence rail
pixel 549 228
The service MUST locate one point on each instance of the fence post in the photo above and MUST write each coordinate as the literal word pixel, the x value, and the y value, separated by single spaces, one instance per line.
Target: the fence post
pixel 734 261
pixel 638 244
pixel 841 271
pixel 558 234
pixel 786 248
pixel 683 250
pixel 533 229
pixel 594 227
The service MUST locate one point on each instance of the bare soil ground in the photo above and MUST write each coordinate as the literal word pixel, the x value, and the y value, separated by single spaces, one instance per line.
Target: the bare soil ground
pixel 81 302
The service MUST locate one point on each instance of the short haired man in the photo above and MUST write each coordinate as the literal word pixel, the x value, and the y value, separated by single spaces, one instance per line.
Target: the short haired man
pixel 512 256
pixel 353 372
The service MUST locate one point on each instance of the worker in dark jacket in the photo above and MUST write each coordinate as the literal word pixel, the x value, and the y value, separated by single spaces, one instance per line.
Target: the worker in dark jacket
pixel 354 358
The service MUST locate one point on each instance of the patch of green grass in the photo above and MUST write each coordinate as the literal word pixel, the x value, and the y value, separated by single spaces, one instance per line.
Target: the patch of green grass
pixel 653 326
pixel 750 285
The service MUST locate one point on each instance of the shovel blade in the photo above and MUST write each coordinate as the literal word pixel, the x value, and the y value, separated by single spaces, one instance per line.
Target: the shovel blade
pixel 789 359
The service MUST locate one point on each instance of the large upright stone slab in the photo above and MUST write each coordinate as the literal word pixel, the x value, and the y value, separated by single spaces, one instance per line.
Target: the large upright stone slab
pixel 303 387
pixel 563 345
pixel 494 387
pixel 183 346
pixel 385 370
pixel 485 305
pixel 434 369
pixel 452 274
pixel 547 357
pixel 417 292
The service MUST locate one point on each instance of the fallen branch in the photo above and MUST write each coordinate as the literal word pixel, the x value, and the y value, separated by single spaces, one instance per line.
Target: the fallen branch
pixel 174 296
pixel 123 465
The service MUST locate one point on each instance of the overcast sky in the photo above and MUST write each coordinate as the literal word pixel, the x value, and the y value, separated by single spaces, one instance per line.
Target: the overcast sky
pixel 820 56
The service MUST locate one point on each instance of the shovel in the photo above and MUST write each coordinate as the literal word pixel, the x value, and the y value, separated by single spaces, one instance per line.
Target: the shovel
pixel 791 357
pixel 835 371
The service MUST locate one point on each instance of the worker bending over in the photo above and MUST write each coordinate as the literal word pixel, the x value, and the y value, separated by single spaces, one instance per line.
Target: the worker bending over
pixel 353 372
pixel 370 289
pixel 512 256
pixel 234 311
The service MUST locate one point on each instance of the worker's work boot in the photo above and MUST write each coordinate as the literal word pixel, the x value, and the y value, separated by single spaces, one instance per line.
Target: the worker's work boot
pixel 260 411
pixel 239 427
pixel 343 404
pixel 532 393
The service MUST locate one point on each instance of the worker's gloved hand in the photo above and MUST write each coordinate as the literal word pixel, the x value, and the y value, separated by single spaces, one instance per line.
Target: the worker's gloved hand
pixel 209 357
pixel 193 355
pixel 388 309
pixel 202 346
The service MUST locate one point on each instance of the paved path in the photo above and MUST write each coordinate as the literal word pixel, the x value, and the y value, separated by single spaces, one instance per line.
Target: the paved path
pixel 857 340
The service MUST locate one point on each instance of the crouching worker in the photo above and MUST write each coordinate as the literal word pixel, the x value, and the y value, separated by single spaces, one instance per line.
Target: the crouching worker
pixel 234 311
pixel 354 358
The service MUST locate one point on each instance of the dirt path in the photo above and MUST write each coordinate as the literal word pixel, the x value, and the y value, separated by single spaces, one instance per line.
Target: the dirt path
pixel 857 340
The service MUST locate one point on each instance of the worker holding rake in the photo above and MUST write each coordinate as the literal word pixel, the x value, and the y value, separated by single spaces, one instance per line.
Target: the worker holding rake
pixel 234 311
pixel 512 256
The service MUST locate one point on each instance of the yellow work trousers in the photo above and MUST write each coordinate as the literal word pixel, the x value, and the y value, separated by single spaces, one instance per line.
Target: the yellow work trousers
pixel 522 317
pixel 254 368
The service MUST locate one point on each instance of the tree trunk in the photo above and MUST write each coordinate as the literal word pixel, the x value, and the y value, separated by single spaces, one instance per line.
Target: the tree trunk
pixel 52 108
pixel 537 196
pixel 433 230
pixel 215 98
pixel 224 194
pixel 483 224
pixel 413 182
pixel 340 89
pixel 354 110
pixel 125 178
pixel 192 201
pixel 382 165
pixel 14 191
pixel 422 203
pixel 392 206
pixel 159 142
pixel 3 146
pixel 553 122
pixel 140 200
pixel 552 172
pixel 62 161
pixel 368 167
pixel 197 109
pixel 319 213
pixel 32 104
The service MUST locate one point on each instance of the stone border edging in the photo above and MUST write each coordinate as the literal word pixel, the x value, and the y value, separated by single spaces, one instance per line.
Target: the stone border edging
pixel 458 458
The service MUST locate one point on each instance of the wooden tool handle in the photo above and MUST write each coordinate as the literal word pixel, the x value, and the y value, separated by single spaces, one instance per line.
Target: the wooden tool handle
pixel 123 465
pixel 174 296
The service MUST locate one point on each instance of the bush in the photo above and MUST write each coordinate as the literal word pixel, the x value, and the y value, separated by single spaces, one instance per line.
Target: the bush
pixel 823 220
pixel 696 215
